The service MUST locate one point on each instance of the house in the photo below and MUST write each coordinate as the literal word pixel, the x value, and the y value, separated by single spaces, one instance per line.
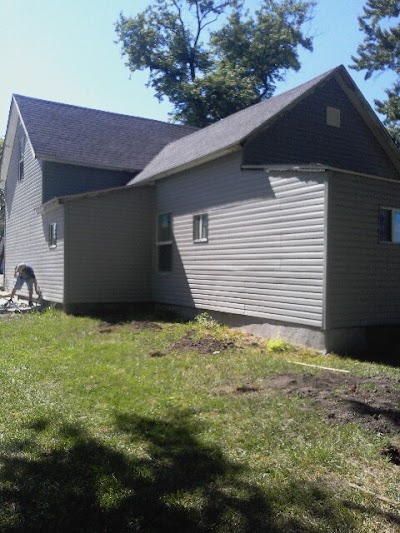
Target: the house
pixel 55 150
pixel 282 218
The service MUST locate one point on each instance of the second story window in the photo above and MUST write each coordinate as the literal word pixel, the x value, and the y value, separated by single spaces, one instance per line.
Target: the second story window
pixel 53 235
pixel 21 163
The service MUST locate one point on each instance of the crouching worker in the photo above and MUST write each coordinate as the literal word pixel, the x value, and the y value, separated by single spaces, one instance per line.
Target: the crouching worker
pixel 24 274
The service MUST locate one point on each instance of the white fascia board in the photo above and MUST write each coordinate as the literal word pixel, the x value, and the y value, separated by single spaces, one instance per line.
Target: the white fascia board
pixel 316 168
pixel 12 125
pixel 287 168
pixel 24 127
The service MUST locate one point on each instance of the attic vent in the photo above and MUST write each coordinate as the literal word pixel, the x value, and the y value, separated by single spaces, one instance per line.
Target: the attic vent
pixel 333 117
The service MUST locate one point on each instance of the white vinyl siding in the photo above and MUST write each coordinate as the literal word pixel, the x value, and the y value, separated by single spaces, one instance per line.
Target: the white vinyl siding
pixel 27 230
pixel 265 253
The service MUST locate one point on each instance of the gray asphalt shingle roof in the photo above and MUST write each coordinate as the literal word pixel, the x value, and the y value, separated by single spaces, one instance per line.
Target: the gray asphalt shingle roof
pixel 88 137
pixel 222 135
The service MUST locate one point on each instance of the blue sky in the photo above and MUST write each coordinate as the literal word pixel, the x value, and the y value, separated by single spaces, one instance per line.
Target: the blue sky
pixel 64 51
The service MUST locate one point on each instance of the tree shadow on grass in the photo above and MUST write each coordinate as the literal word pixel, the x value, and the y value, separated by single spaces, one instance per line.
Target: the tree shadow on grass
pixel 173 482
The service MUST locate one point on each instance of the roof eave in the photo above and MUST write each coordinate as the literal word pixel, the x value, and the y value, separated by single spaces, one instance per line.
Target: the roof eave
pixel 313 167
pixel 187 166
pixel 61 161
pixel 12 124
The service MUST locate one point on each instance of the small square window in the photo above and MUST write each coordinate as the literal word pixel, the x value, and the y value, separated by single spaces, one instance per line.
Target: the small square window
pixel 200 228
pixel 53 235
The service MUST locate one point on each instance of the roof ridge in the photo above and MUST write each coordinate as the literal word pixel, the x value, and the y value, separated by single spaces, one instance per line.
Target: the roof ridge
pixel 281 101
pixel 297 88
pixel 95 110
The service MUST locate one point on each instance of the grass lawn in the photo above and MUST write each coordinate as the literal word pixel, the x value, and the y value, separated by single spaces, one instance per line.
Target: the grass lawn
pixel 154 425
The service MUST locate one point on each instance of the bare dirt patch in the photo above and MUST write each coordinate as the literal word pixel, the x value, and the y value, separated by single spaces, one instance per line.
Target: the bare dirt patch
pixel 373 402
pixel 203 345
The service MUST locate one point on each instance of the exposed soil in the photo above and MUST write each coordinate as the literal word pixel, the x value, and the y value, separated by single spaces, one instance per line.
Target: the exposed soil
pixel 373 402
pixel 203 345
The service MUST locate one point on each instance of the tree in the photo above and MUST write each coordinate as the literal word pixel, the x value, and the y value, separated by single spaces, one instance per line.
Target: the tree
pixel 209 74
pixel 380 51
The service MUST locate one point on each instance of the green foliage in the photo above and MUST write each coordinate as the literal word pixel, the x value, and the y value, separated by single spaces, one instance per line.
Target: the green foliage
pixel 205 319
pixel 278 345
pixel 380 51
pixel 98 435
pixel 209 74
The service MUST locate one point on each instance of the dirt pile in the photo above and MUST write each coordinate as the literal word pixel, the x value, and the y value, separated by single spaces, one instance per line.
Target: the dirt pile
pixel 373 402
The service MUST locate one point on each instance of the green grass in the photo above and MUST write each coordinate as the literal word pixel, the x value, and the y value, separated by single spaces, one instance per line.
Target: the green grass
pixel 121 429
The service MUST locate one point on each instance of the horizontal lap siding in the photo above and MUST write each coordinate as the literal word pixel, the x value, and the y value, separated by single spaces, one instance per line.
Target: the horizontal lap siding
pixel 265 255
pixel 52 270
pixel 363 277
pixel 302 135
pixel 109 250
pixel 27 230
pixel 63 180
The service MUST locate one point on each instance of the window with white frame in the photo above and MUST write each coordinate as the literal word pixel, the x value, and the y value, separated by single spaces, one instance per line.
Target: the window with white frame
pixel 200 228
pixel 389 225
pixel 53 235
pixel 21 161
pixel 164 242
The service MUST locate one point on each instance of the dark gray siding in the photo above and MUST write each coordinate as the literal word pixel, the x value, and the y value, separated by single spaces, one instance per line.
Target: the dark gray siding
pixel 303 136
pixel 265 255
pixel 27 230
pixel 63 180
pixel 109 247
pixel 363 275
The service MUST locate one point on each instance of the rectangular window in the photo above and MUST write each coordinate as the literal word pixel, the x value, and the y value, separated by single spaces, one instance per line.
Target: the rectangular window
pixel 389 225
pixel 21 165
pixel 333 117
pixel 200 228
pixel 53 235
pixel 164 242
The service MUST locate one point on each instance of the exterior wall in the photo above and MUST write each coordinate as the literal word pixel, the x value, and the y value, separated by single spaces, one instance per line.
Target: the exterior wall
pixel 363 281
pixel 51 279
pixel 63 180
pixel 265 254
pixel 27 231
pixel 109 247
pixel 303 136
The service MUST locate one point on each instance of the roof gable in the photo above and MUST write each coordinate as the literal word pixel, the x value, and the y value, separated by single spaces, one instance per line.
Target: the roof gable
pixel 304 136
pixel 232 132
pixel 88 137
